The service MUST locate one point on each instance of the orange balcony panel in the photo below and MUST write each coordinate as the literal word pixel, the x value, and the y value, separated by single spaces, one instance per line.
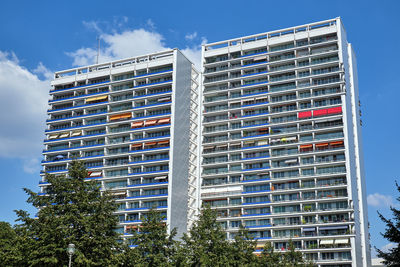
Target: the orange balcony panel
pixel 150 122
pixel 164 120
pixel 322 145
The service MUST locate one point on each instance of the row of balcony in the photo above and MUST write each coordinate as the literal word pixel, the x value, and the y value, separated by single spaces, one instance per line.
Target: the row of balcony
pixel 139 76
pixel 136 125
pixel 256 87
pixel 311 71
pixel 286 47
pixel 103 101
pixel 241 68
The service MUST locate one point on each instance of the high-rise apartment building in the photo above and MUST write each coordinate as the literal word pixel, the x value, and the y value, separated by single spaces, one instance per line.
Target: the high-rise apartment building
pixel 280 135
pixel 281 141
pixel 134 122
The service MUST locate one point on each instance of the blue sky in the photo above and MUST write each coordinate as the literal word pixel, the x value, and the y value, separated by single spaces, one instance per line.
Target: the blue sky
pixel 38 37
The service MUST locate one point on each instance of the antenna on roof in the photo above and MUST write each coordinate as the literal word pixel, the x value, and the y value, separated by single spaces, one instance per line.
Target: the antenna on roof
pixel 98 49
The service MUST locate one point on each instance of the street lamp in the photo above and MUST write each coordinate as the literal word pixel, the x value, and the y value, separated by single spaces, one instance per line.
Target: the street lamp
pixel 70 251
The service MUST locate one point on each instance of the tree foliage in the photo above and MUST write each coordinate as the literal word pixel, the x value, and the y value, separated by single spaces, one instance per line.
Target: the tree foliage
pixel 242 249
pixel 392 234
pixel 153 245
pixel 206 244
pixel 9 252
pixel 72 211
pixel 289 258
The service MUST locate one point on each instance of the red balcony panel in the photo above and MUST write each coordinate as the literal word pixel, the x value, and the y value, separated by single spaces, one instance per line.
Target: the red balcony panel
pixel 304 114
pixel 320 112
pixel 336 110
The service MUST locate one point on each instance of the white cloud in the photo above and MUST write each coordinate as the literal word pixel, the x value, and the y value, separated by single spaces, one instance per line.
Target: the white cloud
pixel 92 25
pixel 42 70
pixel 191 36
pixel 23 103
pixel 194 55
pixel 84 56
pixel 151 24
pixel 133 43
pixel 31 165
pixel 387 247
pixel 130 43
pixel 378 200
pixel 120 45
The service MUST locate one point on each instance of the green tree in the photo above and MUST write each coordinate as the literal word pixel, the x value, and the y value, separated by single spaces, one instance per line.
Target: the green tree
pixel 8 238
pixel 10 255
pixel 269 258
pixel 289 258
pixel 206 244
pixel 72 211
pixel 242 249
pixel 392 234
pixel 153 245
pixel 293 258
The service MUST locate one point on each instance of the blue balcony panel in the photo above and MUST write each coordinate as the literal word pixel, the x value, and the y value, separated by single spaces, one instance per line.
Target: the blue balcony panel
pixel 133 151
pixel 133 221
pixel 254 54
pixel 139 96
pixel 86 85
pixel 261 191
pixel 263 103
pixel 144 161
pixel 160 195
pixel 265 157
pixel 63 170
pixel 136 185
pixel 158 104
pixel 139 173
pixel 149 127
pixel 253 74
pixel 152 73
pixel 260 93
pixel 255 180
pixel 255 203
pixel 253 136
pixel 149 84
pixel 256 214
pixel 87 157
pixel 254 64
pixel 258 226
pixel 149 138
pixel 130 209
pixel 255 125
pixel 253 115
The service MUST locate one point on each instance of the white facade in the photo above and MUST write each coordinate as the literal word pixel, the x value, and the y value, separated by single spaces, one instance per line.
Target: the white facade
pixel 280 135
pixel 281 141
pixel 134 123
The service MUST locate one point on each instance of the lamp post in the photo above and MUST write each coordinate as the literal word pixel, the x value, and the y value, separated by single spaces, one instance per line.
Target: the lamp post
pixel 70 251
